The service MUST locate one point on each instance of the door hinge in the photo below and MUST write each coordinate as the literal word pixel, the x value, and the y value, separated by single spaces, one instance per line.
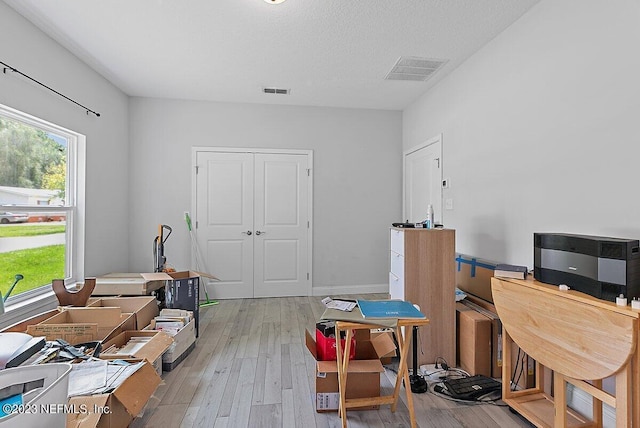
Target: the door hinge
pixel 308 172
pixel 196 224
pixel 308 225
pixel 197 168
pixel 307 276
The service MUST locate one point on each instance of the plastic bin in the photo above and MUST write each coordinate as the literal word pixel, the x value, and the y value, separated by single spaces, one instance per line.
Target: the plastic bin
pixel 37 394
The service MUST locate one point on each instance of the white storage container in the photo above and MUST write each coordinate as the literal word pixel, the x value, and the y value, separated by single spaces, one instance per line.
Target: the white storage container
pixel 43 390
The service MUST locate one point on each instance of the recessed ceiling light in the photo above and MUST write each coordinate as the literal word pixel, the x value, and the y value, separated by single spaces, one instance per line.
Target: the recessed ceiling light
pixel 274 1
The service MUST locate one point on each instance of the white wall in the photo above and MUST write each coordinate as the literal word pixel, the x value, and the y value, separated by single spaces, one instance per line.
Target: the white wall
pixel 357 179
pixel 27 49
pixel 540 130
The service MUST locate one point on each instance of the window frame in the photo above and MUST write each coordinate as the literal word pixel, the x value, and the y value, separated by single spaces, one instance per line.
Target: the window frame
pixel 74 204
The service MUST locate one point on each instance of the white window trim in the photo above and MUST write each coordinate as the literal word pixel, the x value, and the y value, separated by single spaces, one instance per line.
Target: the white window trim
pixel 35 301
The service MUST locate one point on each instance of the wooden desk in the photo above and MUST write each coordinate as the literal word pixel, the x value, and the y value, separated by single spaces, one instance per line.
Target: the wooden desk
pixel 578 337
pixel 403 334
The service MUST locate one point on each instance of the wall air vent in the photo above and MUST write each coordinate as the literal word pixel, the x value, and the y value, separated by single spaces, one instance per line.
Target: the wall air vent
pixel 415 68
pixel 279 91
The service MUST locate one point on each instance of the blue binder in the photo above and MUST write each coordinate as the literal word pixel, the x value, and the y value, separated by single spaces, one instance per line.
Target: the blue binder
pixel 372 309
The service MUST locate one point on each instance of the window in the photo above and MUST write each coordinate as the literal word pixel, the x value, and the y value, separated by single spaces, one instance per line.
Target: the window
pixel 41 204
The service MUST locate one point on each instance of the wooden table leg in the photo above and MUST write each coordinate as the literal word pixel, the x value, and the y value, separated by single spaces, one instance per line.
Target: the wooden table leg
pixel 624 396
pixel 635 389
pixel 560 400
pixel 596 405
pixel 343 367
pixel 506 364
pixel 404 343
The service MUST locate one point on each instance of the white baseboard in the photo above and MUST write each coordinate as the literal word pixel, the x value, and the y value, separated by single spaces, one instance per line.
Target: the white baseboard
pixel 336 290
pixel 581 402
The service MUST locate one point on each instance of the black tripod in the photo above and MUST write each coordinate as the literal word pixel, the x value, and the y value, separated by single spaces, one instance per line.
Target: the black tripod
pixel 418 384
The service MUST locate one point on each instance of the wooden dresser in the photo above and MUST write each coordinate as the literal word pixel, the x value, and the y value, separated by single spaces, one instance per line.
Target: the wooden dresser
pixel 423 272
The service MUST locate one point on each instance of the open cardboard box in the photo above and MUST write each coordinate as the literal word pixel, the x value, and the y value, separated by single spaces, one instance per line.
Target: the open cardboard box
pixel 151 351
pixel 385 358
pixel 364 371
pixel 119 408
pixel 129 284
pixel 144 308
pixel 21 326
pixel 78 325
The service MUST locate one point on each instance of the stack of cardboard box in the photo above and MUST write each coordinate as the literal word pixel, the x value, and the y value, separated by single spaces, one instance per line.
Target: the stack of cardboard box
pixel 479 330
pixel 112 321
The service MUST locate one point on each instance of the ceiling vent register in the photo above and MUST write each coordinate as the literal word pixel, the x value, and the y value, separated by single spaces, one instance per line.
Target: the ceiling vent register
pixel 415 68
pixel 279 91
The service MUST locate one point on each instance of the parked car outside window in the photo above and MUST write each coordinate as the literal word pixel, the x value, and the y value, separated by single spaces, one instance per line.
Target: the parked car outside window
pixel 7 217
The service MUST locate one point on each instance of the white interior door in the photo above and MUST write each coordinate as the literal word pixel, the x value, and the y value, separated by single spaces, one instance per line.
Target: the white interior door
pixel 253 222
pixel 281 225
pixel 224 221
pixel 423 181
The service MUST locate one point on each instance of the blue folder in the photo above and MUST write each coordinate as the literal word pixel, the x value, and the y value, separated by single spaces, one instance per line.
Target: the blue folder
pixel 388 309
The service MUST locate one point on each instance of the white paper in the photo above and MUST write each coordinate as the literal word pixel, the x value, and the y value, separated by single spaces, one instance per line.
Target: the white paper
pixel 87 376
pixel 340 305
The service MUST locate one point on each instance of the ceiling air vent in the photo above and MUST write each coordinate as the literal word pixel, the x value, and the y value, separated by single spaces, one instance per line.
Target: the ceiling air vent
pixel 275 91
pixel 415 68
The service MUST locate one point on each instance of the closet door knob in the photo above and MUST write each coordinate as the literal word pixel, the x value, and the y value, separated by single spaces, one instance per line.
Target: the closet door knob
pixel 260 233
pixel 248 232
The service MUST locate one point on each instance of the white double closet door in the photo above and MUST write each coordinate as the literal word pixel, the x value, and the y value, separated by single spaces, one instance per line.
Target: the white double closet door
pixel 253 211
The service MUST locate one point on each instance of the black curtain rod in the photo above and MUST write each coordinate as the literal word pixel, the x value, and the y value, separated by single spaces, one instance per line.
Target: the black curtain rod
pixel 7 66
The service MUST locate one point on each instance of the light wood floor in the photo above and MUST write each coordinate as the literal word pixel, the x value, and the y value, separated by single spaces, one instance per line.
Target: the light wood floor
pixel 251 368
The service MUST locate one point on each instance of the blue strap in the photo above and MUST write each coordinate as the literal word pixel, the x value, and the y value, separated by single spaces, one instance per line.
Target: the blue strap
pixel 473 262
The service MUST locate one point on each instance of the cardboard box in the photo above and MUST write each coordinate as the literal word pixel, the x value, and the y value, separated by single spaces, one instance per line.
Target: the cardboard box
pixel 473 275
pixel 159 342
pixel 474 341
pixel 21 326
pixel 129 284
pixel 386 358
pixel 527 379
pixel 488 310
pixel 123 404
pixel 144 308
pixel 183 343
pixel 152 351
pixel 182 292
pixel 364 371
pixel 78 325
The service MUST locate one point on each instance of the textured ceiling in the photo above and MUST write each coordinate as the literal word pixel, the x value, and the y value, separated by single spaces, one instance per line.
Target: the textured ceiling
pixel 327 52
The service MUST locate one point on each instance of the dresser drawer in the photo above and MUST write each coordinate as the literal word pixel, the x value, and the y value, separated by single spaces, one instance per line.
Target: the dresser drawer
pixel 396 287
pixel 397 264
pixel 397 241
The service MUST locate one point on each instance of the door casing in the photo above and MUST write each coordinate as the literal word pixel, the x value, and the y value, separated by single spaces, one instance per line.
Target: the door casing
pixel 431 182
